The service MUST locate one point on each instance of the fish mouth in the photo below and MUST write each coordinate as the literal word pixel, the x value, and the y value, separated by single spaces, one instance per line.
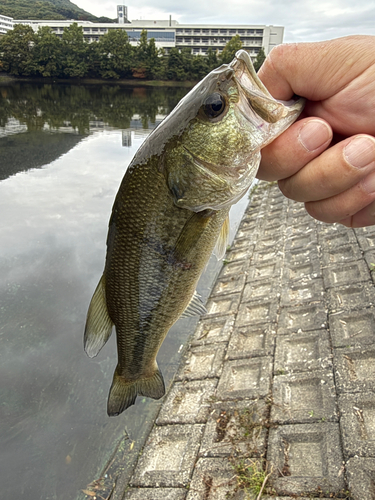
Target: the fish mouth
pixel 262 102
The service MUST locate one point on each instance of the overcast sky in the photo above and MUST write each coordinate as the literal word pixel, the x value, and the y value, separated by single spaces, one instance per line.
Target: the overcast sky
pixel 304 20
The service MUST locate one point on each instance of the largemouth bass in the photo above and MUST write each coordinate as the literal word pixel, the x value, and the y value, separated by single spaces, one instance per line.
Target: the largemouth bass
pixel 170 212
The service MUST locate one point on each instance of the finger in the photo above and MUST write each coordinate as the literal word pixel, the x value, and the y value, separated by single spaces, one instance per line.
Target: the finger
pixel 316 70
pixel 363 218
pixel 292 150
pixel 344 206
pixel 336 170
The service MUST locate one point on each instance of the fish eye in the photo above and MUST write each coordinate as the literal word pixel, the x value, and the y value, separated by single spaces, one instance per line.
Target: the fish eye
pixel 214 105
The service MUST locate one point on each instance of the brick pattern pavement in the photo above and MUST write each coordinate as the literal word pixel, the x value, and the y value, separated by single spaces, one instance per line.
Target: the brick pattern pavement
pixel 280 371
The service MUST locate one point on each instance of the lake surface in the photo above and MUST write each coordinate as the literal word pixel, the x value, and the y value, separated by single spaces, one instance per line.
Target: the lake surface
pixel 63 152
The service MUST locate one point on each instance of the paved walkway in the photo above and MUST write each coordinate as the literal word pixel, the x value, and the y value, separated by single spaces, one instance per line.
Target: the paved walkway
pixel 277 388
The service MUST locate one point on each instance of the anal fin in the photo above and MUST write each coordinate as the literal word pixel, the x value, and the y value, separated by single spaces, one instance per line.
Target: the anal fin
pixel 98 323
pixel 194 308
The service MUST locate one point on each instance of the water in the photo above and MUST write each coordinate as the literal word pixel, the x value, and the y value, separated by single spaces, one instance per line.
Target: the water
pixel 63 152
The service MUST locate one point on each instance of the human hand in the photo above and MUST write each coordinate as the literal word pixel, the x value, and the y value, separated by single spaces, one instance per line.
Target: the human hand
pixel 327 158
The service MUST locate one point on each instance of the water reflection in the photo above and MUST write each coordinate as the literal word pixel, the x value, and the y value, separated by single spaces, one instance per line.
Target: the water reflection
pixel 55 434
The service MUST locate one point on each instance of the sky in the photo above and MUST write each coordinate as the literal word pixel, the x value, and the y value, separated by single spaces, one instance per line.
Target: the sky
pixel 304 20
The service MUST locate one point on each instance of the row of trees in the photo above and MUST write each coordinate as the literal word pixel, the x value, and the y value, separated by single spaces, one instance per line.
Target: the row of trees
pixel 25 53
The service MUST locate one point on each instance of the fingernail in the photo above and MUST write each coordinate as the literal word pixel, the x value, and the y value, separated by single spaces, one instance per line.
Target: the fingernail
pixel 360 151
pixel 369 183
pixel 314 134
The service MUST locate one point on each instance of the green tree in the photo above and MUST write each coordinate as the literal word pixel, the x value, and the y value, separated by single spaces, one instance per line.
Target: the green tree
pixel 16 49
pixel 113 54
pixel 212 60
pixel 176 67
pixel 75 52
pixel 230 50
pixel 199 67
pixel 147 61
pixel 259 59
pixel 47 53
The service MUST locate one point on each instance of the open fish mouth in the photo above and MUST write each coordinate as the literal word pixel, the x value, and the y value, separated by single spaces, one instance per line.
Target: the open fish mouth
pixel 260 100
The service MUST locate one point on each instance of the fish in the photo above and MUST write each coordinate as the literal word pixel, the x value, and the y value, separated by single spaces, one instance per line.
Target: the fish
pixel 171 212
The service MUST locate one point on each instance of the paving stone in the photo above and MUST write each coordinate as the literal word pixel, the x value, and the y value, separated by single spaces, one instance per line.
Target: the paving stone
pixel 234 268
pixel 349 297
pixel 257 312
pixel 156 494
pixel 302 352
pixel 302 255
pixel 231 284
pixel 222 305
pixel 268 256
pixel 241 243
pixel 332 239
pixel 305 225
pixel 187 402
pixel 306 459
pixel 302 318
pixel 304 237
pixel 262 289
pixel 297 271
pixel 352 328
pixel 168 457
pixel 366 240
pixel 301 240
pixel 270 225
pixel 248 224
pixel 212 330
pixel 249 341
pixel 239 254
pixel 330 231
pixel 293 498
pixel 262 271
pixel 202 362
pixel 339 254
pixel 354 369
pixel 361 478
pixel 304 397
pixel 358 424
pixel 213 479
pixel 248 233
pixel 276 211
pixel 235 429
pixel 345 273
pixel 269 242
pixel 308 290
pixel 245 379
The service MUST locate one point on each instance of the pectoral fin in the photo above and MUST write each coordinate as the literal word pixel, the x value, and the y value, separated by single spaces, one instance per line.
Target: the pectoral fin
pixel 191 233
pixel 98 323
pixel 223 240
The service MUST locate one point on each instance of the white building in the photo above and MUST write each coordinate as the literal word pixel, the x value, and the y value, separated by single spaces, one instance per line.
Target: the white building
pixel 169 33
pixel 6 24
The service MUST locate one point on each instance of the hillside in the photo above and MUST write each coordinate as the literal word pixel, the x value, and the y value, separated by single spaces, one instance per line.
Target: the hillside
pixel 46 9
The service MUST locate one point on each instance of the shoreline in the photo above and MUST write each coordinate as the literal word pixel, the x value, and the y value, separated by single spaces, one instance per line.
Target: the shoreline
pixel 5 78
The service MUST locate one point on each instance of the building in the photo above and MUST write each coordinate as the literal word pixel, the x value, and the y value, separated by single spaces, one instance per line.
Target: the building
pixel 6 24
pixel 169 33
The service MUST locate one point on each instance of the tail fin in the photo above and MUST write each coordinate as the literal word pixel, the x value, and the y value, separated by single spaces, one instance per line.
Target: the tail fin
pixel 98 323
pixel 124 393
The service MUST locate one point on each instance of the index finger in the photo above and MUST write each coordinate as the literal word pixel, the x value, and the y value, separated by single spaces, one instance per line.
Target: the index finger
pixel 316 70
